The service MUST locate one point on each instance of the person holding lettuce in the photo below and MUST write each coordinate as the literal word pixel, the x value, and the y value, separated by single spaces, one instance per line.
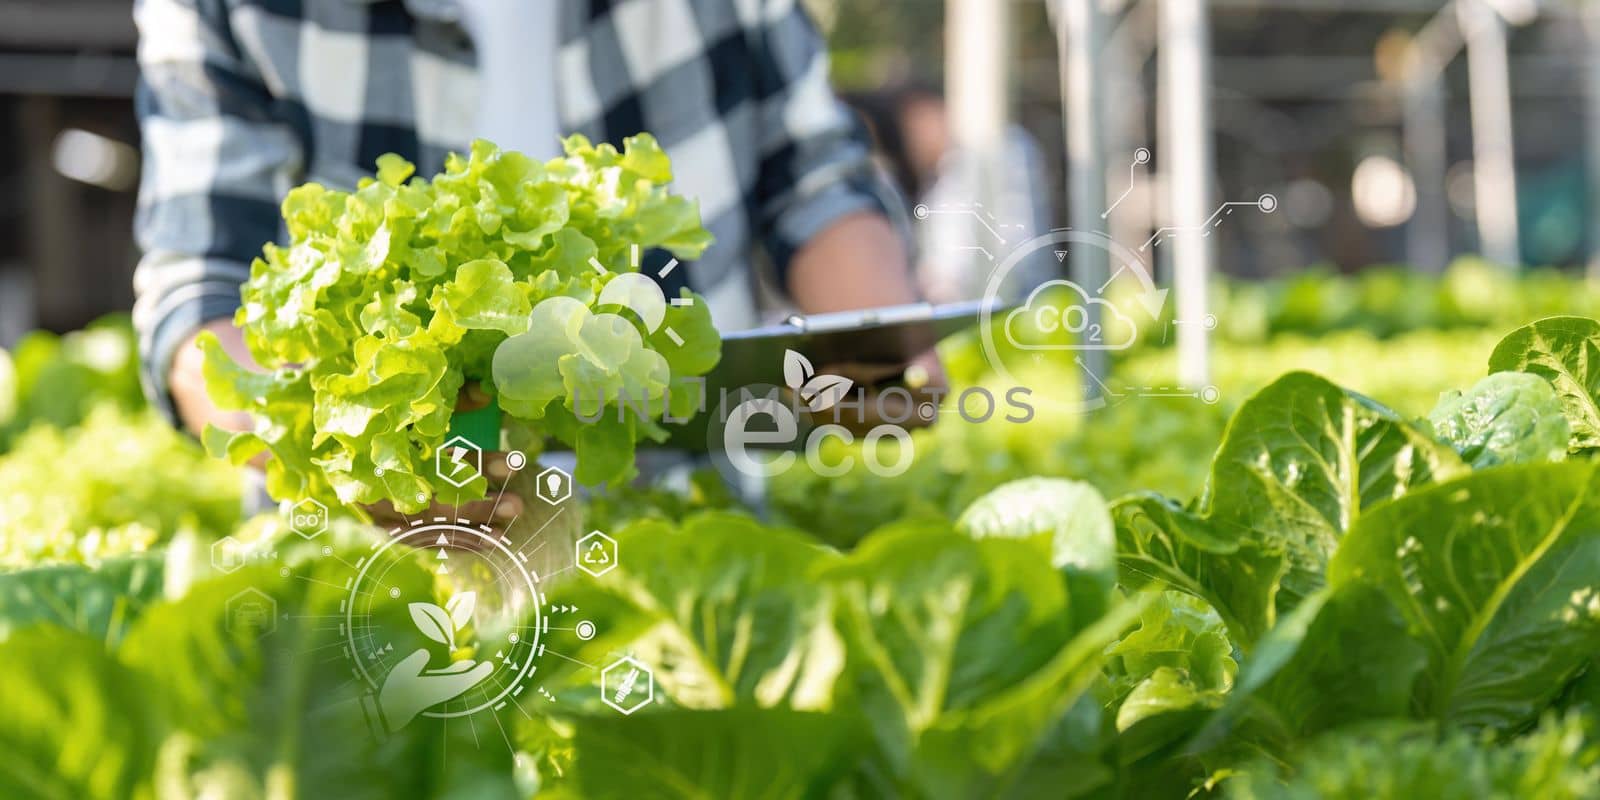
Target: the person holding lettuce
pixel 240 100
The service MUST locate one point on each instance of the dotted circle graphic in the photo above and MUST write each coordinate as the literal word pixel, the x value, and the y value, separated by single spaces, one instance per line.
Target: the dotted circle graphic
pixel 365 589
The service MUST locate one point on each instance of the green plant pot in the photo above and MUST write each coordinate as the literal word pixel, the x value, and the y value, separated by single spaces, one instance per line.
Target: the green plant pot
pixel 481 426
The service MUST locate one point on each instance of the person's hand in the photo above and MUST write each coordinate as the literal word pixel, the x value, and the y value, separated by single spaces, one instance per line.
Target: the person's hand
pixel 926 373
pixel 411 688
pixel 498 507
pixel 859 262
pixel 187 381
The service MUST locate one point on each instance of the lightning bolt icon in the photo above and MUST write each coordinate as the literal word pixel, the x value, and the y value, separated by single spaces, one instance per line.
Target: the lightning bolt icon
pixel 458 457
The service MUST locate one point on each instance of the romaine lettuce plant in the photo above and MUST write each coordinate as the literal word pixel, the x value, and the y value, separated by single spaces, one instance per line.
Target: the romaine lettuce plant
pixel 389 299
pixel 1566 352
pixel 1300 463
pixel 1506 418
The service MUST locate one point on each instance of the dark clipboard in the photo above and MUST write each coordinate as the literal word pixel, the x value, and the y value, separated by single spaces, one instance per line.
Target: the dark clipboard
pixel 887 335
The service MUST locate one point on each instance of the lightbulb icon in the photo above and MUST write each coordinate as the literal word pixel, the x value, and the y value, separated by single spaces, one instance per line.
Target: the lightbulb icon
pixel 553 486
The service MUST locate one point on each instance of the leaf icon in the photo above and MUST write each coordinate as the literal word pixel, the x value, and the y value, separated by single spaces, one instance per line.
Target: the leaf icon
pixel 434 623
pixel 460 607
pixel 797 369
pixel 823 391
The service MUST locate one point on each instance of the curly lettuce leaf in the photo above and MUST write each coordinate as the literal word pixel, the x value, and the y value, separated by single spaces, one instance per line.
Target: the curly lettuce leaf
pixel 1178 656
pixel 117 484
pixel 388 299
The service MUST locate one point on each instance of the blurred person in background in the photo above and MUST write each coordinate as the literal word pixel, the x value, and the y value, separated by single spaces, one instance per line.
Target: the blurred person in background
pixel 240 101
pixel 911 131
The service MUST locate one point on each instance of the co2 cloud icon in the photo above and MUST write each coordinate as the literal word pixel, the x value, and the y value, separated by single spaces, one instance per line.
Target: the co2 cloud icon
pixel 1064 321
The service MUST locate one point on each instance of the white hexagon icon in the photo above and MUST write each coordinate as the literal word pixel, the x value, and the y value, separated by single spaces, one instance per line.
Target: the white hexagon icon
pixel 308 518
pixel 553 485
pixel 596 553
pixel 458 461
pixel 252 611
pixel 627 685
pixel 229 554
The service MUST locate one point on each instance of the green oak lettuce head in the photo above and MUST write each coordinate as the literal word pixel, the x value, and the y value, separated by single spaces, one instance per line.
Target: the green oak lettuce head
pixel 389 299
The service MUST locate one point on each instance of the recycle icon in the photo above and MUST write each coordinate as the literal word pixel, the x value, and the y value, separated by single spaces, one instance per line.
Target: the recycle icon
pixel 596 553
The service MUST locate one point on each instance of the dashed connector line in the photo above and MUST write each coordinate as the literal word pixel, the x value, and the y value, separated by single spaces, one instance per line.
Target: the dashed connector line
pixel 1266 203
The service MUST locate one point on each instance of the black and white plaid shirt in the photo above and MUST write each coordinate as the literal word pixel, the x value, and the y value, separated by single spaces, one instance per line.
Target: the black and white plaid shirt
pixel 240 100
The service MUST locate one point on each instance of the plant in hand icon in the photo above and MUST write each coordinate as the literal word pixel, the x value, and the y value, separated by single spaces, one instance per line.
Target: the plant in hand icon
pixel 410 688
pixel 437 644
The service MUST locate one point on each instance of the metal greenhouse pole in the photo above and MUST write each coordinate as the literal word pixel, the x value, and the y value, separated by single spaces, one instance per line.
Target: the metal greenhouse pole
pixel 1186 158
pixel 1079 36
pixel 1493 156
pixel 978 84
pixel 1424 131
pixel 1129 45
pixel 1591 29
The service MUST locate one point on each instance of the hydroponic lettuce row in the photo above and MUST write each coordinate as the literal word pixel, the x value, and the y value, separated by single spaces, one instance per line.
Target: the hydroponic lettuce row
pixel 87 473
pixel 1360 603
pixel 388 299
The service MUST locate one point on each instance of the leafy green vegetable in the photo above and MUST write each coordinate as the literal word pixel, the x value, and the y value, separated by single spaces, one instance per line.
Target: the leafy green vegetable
pixel 1392 301
pixel 1340 657
pixel 1178 656
pixel 1566 352
pixel 1069 521
pixel 1406 372
pixel 100 602
pixel 74 725
pixel 1410 619
pixel 119 483
pixel 389 299
pixel 1162 679
pixel 1506 418
pixel 612 508
pixel 1559 760
pixel 746 753
pixel 277 712
pixel 728 609
pixel 1300 462
pixel 918 644
pixel 1498 575
pixel 965 654
pixel 58 380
